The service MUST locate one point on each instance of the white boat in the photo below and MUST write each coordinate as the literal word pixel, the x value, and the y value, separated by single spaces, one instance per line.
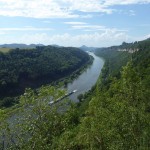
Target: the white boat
pixel 61 98
pixel 74 91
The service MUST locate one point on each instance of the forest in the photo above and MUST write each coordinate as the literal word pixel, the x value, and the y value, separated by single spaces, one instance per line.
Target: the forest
pixel 113 115
pixel 24 68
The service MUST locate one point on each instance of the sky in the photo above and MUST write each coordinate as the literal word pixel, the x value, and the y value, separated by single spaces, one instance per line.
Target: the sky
pixel 97 23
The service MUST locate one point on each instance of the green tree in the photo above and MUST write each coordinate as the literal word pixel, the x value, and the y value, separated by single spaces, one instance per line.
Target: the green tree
pixel 37 125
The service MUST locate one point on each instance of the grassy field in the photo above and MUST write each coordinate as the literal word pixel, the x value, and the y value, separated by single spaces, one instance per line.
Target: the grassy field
pixel 4 50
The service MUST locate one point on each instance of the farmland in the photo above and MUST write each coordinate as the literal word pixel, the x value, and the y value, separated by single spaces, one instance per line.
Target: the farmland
pixel 4 50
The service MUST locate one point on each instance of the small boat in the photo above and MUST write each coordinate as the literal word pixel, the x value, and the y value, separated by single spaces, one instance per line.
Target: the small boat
pixel 75 91
pixel 61 98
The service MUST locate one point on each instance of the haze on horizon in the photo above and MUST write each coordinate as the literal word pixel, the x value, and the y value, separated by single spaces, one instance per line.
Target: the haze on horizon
pixel 95 23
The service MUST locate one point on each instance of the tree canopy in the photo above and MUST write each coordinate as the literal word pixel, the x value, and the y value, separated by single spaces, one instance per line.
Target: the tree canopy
pixel 23 68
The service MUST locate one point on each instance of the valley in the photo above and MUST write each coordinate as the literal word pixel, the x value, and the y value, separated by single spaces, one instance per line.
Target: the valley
pixel 109 110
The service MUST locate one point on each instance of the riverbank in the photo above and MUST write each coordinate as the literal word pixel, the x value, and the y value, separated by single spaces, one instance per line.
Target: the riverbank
pixel 74 75
pixel 87 79
pixel 13 100
pixel 59 83
pixel 83 79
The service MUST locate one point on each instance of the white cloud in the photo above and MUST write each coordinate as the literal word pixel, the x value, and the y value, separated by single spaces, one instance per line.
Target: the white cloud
pixel 89 27
pixel 85 26
pixel 125 2
pixel 87 6
pixel 107 38
pixel 60 8
pixel 2 33
pixel 132 13
pixel 94 27
pixel 35 9
pixel 75 23
pixel 26 29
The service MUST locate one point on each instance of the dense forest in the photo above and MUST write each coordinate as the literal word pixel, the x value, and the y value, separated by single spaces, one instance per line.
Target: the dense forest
pixel 22 68
pixel 113 115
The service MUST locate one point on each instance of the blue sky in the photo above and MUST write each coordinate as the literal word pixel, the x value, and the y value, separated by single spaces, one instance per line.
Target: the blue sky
pixel 96 23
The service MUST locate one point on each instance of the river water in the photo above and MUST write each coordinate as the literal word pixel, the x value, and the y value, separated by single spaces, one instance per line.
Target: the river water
pixel 87 79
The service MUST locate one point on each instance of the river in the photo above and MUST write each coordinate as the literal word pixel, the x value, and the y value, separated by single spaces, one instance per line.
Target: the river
pixel 82 84
pixel 87 79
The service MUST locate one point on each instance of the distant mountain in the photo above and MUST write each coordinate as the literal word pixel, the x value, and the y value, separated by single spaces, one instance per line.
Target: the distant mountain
pixel 14 45
pixel 55 45
pixel 85 48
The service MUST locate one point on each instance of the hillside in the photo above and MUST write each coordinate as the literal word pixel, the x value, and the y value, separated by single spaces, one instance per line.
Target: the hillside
pixel 23 68
pixel 117 116
pixel 114 115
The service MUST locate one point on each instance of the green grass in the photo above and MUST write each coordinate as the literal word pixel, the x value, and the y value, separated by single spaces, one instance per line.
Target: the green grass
pixel 4 50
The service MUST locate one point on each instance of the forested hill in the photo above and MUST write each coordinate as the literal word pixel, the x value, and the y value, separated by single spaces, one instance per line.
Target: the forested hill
pixel 114 115
pixel 117 56
pixel 118 114
pixel 21 68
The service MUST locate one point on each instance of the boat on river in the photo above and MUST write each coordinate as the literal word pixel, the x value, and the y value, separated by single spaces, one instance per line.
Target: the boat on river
pixel 61 98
